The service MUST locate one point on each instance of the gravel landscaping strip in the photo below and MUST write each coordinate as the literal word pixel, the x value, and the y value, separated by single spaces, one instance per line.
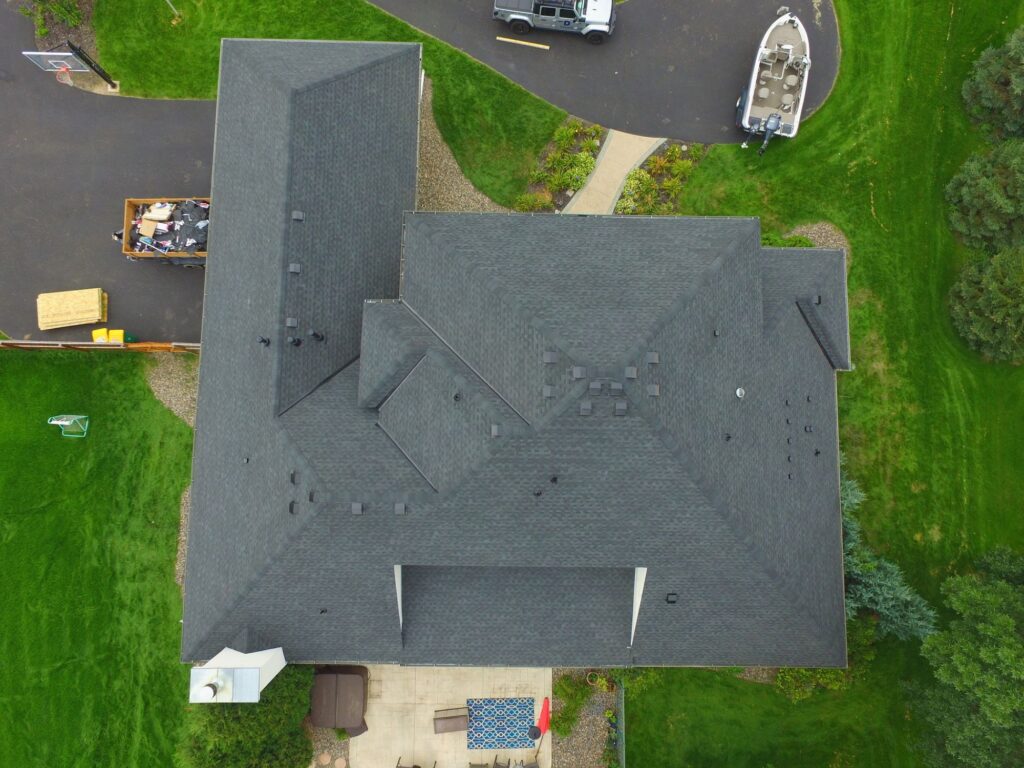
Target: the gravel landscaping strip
pixel 824 235
pixel 584 747
pixel 326 743
pixel 174 379
pixel 440 185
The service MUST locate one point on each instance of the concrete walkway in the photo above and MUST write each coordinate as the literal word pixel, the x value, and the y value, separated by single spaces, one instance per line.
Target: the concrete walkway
pixel 621 153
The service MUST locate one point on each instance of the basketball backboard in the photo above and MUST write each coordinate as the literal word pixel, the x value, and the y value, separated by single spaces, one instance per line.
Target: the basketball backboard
pixel 56 61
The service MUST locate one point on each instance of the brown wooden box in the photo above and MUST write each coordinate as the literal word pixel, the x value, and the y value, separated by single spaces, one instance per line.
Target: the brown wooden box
pixel 130 204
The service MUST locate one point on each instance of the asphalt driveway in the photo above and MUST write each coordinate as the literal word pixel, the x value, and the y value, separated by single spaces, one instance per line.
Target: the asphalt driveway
pixel 69 159
pixel 672 68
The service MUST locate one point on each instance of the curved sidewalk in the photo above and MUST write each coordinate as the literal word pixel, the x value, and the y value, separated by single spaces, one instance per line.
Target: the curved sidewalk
pixel 621 153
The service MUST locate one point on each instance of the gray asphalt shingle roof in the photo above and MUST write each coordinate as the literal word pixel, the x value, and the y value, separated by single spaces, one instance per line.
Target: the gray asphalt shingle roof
pixel 545 404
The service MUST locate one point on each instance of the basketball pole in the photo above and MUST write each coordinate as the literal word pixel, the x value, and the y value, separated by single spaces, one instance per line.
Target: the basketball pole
pixel 91 64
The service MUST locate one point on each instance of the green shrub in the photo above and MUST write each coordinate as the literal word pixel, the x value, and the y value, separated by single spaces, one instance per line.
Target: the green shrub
pixel 798 683
pixel 636 679
pixel 636 192
pixel 672 187
pixel 565 135
pixel 268 734
pixel 986 198
pixel 680 168
pixel 572 693
pixel 673 153
pixel 591 146
pixel 987 306
pixel 775 240
pixel 40 11
pixel 539 176
pixel 594 132
pixel 341 734
pixel 994 93
pixel 580 168
pixel 533 202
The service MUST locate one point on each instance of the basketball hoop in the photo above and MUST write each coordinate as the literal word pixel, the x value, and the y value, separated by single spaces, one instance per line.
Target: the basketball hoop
pixel 63 75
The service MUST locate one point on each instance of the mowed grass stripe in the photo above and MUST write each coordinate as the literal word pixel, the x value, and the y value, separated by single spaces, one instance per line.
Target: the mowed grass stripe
pixel 87 544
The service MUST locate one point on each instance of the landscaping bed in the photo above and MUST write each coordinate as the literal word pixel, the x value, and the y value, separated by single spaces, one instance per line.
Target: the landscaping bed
pixel 583 745
pixel 564 166
pixel 655 188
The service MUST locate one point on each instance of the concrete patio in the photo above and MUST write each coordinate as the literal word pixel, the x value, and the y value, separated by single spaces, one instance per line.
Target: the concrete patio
pixel 401 702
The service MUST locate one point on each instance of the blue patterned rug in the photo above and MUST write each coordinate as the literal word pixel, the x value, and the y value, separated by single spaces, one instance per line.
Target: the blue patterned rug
pixel 499 723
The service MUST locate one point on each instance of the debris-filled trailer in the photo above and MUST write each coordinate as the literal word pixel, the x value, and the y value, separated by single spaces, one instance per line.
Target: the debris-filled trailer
pixel 168 230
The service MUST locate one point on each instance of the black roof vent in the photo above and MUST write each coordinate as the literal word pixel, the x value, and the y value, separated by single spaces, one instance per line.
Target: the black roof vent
pixel 295 341
pixel 549 391
pixel 294 268
pixel 652 358
pixel 579 372
pixel 595 387
pixel 586 407
pixel 316 334
pixel 616 387
pixel 495 430
pixel 291 322
pixel 672 598
pixel 312 496
pixel 631 371
pixel 263 340
pixel 293 476
pixel 399 507
pixel 291 507
pixel 620 407
pixel 653 390
pixel 550 356
pixel 357 508
pixel 298 216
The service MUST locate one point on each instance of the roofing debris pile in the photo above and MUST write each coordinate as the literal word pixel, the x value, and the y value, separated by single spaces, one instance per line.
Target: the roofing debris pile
pixel 166 227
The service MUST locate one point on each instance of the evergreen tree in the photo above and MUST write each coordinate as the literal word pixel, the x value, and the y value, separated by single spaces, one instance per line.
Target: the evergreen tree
pixel 987 306
pixel 986 198
pixel 876 584
pixel 994 93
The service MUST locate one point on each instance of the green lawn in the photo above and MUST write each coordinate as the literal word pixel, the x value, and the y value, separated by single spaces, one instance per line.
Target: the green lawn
pixel 701 718
pixel 933 434
pixel 90 611
pixel 495 128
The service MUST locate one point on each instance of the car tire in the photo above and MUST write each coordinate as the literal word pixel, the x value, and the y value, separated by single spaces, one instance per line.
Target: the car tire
pixel 519 27
pixel 596 38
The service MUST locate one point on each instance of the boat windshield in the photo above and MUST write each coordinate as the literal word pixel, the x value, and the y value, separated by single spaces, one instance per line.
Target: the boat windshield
pixel 580 5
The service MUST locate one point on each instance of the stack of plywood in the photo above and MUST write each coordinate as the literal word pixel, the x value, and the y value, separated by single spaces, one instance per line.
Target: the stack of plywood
pixel 65 308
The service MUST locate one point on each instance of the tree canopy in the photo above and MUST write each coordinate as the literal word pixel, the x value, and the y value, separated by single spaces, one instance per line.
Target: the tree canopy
pixel 975 709
pixel 987 305
pixel 994 93
pixel 986 198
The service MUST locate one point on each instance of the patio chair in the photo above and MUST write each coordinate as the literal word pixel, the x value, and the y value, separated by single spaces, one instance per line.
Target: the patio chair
pixel 499 764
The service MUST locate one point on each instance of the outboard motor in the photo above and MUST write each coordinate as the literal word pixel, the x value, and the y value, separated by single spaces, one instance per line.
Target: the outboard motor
pixel 771 126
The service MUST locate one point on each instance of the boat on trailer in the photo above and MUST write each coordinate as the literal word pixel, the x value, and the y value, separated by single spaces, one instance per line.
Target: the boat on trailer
pixel 773 100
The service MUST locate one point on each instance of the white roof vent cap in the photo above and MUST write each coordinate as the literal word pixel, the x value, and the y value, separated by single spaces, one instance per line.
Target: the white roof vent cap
pixel 741 392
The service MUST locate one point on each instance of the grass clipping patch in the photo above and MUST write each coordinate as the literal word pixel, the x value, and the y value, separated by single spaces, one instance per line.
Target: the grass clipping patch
pixel 268 734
